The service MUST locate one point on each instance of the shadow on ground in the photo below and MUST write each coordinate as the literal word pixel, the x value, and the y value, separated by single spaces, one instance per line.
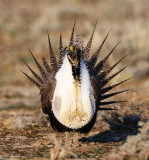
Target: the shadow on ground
pixel 119 129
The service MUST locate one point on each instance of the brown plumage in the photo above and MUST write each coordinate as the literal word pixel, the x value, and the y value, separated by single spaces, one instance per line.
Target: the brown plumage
pixel 47 82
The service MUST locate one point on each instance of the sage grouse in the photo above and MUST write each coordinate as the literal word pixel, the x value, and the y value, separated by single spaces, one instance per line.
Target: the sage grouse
pixel 73 88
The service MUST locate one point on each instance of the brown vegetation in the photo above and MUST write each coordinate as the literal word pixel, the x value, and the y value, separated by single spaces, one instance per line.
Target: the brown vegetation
pixel 24 132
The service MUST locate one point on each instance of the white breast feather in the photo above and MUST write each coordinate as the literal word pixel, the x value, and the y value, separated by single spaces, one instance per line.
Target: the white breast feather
pixel 70 113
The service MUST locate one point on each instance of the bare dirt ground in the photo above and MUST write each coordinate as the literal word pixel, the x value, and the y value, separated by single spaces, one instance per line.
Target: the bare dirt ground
pixel 25 132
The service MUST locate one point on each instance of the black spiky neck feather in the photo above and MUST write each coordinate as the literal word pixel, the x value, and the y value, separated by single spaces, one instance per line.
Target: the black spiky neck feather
pixel 76 70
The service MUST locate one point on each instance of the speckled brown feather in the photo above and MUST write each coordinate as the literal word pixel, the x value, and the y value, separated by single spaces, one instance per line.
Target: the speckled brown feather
pixel 89 44
pixel 53 61
pixel 46 65
pixel 94 57
pixel 72 34
pixel 103 74
pixel 46 92
pixel 101 64
pixel 61 53
pixel 42 72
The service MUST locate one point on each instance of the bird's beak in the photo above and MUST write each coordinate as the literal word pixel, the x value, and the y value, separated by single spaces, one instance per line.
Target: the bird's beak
pixel 74 56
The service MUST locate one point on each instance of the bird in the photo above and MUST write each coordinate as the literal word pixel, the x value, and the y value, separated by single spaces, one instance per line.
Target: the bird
pixel 74 86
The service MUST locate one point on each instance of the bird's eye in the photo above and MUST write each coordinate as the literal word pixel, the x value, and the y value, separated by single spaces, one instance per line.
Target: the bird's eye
pixel 71 48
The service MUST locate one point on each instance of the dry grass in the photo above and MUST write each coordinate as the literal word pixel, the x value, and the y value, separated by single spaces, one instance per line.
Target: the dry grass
pixel 136 147
pixel 24 132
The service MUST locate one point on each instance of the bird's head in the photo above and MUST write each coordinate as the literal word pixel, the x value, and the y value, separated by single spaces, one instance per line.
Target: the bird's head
pixel 74 55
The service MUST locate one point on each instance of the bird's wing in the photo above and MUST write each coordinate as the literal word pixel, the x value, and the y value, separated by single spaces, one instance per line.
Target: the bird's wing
pixel 46 82
pixel 47 91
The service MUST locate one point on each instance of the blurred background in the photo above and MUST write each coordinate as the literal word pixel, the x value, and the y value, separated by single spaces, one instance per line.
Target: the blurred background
pixel 24 131
pixel 24 24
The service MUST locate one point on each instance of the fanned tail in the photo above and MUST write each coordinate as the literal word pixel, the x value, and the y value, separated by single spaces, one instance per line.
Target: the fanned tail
pixel 101 78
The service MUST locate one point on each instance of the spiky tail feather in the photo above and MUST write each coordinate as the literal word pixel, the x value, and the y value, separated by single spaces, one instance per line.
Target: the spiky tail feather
pixel 89 44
